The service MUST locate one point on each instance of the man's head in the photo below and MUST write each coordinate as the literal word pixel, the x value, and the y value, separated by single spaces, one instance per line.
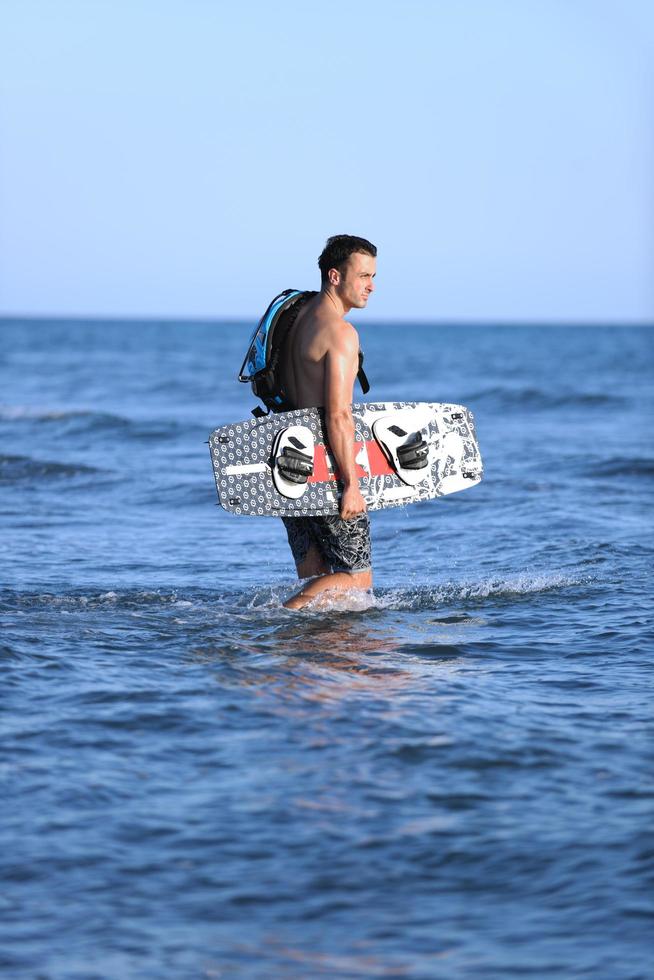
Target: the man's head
pixel 347 264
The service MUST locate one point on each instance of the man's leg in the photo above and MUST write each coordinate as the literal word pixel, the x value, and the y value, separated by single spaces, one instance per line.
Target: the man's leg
pixel 338 544
pixel 340 581
pixel 313 564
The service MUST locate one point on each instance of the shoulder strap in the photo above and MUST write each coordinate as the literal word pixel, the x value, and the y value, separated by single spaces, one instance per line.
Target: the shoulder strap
pixel 362 376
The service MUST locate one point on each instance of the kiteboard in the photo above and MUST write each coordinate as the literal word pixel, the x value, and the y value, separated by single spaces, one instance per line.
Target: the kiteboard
pixel 404 452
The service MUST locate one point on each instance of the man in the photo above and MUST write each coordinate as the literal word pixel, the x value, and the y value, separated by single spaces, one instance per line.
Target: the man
pixel 321 363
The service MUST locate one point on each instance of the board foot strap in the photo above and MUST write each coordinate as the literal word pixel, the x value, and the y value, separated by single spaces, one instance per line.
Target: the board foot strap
pixel 292 460
pixel 402 440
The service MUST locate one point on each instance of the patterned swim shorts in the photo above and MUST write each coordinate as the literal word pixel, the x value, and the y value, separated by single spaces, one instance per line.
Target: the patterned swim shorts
pixel 345 545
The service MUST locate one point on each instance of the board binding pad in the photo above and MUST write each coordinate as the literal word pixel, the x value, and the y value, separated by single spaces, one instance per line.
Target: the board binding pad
pixel 281 465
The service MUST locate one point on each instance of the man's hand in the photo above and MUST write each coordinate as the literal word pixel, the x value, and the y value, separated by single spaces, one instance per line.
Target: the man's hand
pixel 352 503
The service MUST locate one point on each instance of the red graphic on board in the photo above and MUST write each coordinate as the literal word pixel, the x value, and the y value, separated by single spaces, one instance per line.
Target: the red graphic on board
pixel 322 463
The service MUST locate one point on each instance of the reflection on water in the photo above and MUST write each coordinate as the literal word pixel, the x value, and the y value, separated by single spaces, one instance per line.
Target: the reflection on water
pixel 328 657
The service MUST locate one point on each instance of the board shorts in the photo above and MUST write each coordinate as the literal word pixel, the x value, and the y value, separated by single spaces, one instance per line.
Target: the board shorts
pixel 345 545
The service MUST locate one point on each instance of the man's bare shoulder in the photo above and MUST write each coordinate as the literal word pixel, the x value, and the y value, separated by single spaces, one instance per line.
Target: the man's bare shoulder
pixel 345 337
pixel 324 329
pixel 332 327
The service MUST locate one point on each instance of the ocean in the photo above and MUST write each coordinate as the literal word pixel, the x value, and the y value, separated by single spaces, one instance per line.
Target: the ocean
pixel 452 777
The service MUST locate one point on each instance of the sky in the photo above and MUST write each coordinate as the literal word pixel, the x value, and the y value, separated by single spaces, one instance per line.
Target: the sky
pixel 189 158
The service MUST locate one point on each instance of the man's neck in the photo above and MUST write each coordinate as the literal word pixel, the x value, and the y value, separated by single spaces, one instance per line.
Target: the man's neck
pixel 330 294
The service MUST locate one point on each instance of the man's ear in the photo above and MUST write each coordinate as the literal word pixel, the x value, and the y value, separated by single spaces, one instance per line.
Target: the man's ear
pixel 334 277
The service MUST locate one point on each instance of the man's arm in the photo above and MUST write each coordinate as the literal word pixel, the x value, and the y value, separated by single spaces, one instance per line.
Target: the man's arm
pixel 341 363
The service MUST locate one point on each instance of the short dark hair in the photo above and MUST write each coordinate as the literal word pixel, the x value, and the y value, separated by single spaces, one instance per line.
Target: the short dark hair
pixel 338 250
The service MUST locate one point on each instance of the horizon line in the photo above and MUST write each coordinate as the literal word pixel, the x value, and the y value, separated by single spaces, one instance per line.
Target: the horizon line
pixel 150 318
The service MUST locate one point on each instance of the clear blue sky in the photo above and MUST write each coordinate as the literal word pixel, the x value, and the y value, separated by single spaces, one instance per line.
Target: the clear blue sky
pixel 189 157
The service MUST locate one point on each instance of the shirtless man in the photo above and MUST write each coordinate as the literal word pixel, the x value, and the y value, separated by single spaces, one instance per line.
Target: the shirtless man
pixel 322 359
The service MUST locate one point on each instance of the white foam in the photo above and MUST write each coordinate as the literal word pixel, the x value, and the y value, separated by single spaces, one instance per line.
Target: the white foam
pixel 417 597
pixel 523 584
pixel 424 597
pixel 336 600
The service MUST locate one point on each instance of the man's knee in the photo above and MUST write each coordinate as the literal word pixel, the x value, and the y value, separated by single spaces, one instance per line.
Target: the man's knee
pixel 361 580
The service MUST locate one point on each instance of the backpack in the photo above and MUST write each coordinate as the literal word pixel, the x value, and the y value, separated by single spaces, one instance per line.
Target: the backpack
pixel 261 365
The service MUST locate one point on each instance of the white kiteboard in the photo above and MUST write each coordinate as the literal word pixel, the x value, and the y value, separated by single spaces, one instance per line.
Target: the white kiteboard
pixel 404 452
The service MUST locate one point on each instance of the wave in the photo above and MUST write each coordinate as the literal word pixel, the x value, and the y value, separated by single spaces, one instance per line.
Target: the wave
pixel 93 599
pixel 533 397
pixel 524 584
pixel 16 469
pixel 623 466
pixel 20 413
pixel 81 421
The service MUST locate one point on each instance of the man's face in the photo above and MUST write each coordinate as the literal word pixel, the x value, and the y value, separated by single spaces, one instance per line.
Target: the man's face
pixel 356 280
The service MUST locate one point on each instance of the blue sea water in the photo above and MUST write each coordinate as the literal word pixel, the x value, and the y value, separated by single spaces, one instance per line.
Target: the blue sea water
pixel 451 778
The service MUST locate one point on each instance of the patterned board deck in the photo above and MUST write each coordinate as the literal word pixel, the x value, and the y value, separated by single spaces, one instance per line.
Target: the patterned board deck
pixel 241 457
